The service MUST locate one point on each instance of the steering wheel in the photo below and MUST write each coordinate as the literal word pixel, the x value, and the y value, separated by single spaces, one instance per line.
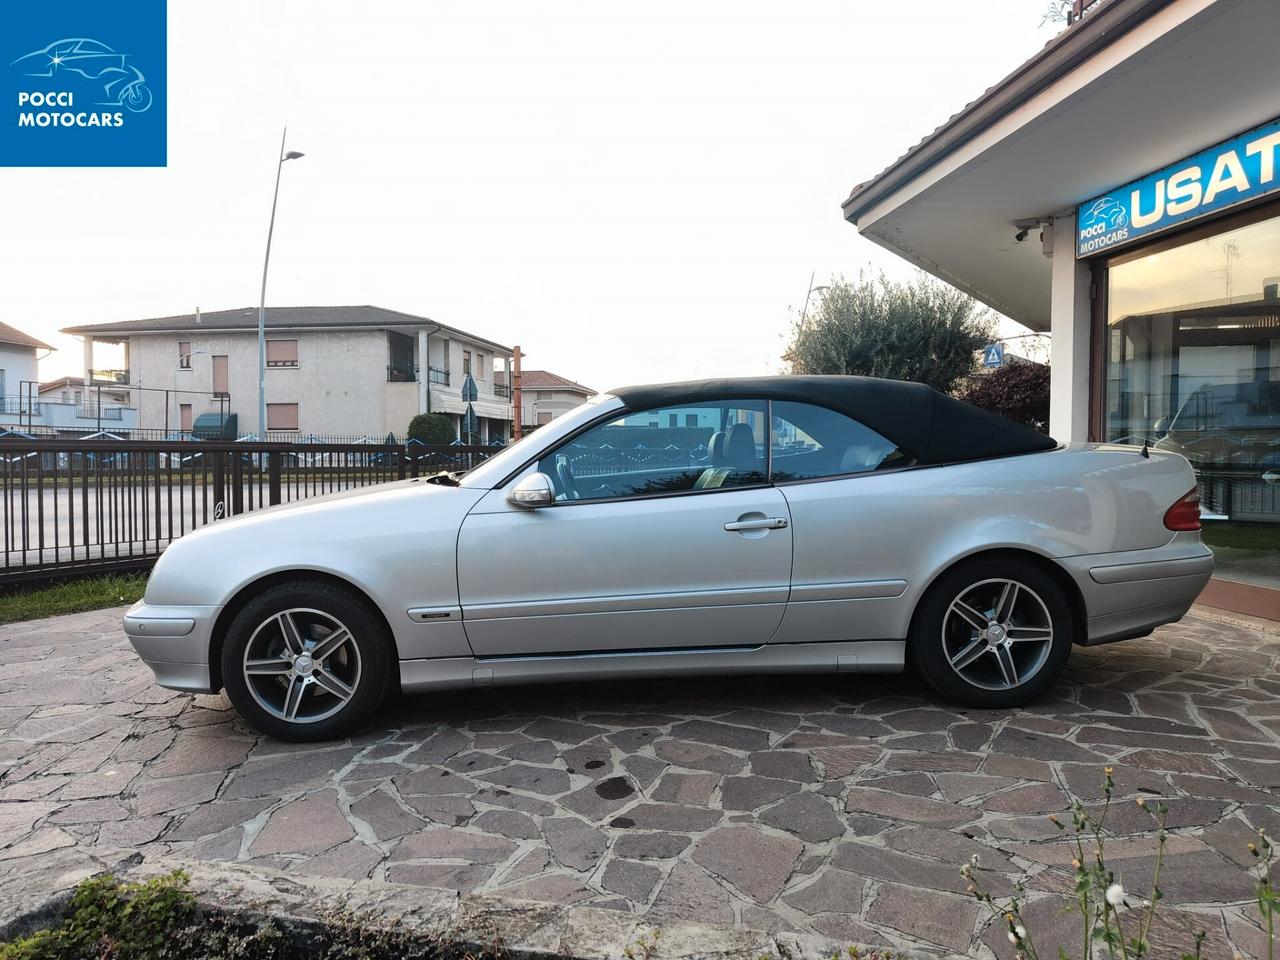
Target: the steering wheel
pixel 565 475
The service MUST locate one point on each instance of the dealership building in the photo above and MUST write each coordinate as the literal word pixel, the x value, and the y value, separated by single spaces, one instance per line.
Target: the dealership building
pixel 1121 191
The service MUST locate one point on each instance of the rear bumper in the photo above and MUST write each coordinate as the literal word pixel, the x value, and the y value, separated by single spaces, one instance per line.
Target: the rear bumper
pixel 174 642
pixel 1131 593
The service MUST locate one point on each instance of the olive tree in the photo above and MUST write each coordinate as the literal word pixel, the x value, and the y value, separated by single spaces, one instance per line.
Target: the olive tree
pixel 923 330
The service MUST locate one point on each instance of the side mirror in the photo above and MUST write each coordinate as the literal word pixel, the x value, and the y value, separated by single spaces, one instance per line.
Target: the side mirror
pixel 532 492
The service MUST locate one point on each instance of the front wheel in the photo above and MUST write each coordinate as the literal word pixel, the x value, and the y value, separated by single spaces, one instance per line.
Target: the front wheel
pixel 137 98
pixel 306 661
pixel 992 633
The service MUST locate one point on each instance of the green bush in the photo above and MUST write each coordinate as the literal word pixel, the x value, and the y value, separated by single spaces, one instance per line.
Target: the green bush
pixel 432 428
pixel 159 919
pixel 111 920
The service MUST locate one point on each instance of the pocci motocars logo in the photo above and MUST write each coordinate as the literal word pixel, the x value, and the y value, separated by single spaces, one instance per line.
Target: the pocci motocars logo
pixel 94 68
pixel 93 97
pixel 1105 222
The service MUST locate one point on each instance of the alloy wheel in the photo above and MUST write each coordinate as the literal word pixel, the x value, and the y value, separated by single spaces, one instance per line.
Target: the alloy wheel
pixel 997 634
pixel 302 665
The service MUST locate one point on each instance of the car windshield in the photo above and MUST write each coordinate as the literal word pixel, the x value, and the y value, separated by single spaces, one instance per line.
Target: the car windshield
pixel 490 473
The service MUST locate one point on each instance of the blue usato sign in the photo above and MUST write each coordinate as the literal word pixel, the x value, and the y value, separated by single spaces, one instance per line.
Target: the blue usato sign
pixel 1240 169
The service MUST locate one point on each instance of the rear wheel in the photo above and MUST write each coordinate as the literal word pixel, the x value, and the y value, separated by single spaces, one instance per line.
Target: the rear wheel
pixel 306 661
pixel 992 633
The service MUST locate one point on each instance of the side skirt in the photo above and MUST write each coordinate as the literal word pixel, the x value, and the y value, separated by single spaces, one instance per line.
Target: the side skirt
pixel 446 673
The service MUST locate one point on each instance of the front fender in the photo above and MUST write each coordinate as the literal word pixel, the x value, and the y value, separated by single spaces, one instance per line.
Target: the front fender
pixel 396 545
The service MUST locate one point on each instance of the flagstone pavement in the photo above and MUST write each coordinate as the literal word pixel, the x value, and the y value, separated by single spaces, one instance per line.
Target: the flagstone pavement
pixel 842 806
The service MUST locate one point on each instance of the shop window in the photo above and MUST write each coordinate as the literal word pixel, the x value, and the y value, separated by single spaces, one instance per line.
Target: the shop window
pixel 1192 357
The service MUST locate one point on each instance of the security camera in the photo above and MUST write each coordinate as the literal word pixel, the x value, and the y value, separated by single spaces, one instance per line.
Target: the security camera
pixel 1024 227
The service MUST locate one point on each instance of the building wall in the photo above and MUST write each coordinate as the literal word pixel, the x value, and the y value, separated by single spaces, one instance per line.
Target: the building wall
pixel 18 364
pixel 547 400
pixel 399 406
pixel 1070 324
pixel 340 383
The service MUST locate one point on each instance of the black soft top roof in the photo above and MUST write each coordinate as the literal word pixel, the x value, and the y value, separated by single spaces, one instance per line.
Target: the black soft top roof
pixel 925 424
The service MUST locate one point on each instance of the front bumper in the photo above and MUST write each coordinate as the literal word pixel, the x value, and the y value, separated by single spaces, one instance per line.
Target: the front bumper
pixel 1131 593
pixel 174 642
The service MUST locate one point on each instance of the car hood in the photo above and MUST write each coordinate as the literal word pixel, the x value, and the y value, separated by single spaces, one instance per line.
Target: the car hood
pixel 374 492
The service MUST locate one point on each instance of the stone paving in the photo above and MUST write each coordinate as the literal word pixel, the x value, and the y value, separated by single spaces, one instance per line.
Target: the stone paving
pixel 841 806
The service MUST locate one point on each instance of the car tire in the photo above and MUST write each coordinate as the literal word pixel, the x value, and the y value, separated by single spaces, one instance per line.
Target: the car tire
pixel 978 653
pixel 307 661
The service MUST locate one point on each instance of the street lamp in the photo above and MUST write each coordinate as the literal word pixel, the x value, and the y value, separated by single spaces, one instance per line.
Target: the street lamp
pixel 262 303
pixel 804 312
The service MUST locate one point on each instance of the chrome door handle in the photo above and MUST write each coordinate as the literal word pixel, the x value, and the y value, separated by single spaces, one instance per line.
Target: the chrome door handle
pixel 765 523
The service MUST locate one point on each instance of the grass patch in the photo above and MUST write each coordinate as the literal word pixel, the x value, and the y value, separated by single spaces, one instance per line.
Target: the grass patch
pixel 72 596
pixel 1241 536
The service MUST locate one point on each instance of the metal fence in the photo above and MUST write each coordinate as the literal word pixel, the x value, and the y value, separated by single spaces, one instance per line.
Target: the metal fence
pixel 175 434
pixel 1239 492
pixel 73 506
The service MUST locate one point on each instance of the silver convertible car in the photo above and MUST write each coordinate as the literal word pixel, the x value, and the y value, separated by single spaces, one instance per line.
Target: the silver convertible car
pixel 762 525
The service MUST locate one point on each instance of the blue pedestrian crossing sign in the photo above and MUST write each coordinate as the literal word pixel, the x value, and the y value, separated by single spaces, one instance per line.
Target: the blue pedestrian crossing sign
pixel 993 355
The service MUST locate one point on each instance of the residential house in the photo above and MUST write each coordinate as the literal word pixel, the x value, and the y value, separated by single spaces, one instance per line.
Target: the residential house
pixel 73 408
pixel 331 371
pixel 18 377
pixel 546 395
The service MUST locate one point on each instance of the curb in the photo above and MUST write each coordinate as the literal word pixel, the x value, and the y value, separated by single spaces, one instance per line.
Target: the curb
pixel 516 929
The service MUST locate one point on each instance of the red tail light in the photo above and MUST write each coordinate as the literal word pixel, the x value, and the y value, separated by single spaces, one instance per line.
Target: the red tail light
pixel 1185 513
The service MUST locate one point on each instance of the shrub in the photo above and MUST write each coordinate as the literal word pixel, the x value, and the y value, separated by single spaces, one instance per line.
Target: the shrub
pixel 117 921
pixel 432 428
pixel 1019 390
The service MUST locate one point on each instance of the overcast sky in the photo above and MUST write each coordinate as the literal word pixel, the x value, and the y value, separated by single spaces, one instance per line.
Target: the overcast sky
pixel 631 190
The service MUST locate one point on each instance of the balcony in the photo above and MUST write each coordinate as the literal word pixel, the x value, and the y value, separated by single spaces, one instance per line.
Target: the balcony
pixel 402 372
pixel 19 405
pixel 91 412
pixel 109 376
pixel 502 390
pixel 438 376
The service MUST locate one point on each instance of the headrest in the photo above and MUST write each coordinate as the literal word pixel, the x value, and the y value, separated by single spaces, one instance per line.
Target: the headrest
pixel 740 447
pixel 715 449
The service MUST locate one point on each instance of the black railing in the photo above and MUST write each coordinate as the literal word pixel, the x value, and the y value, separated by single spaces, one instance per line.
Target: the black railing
pixel 91 505
pixel 501 390
pixel 436 375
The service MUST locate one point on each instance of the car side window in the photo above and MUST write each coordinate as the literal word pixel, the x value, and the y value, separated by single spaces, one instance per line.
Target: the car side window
pixel 809 442
pixel 678 449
